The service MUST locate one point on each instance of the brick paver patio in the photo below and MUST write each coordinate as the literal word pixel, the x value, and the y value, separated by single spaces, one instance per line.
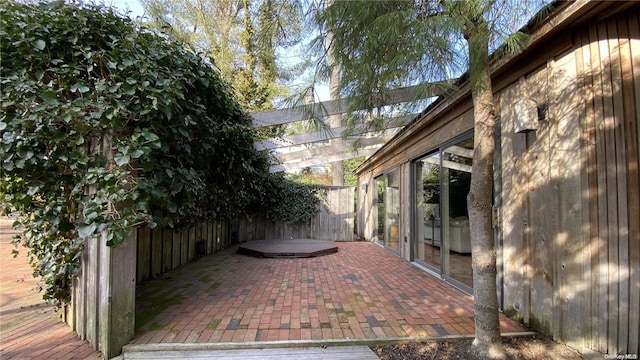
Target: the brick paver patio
pixel 30 328
pixel 361 292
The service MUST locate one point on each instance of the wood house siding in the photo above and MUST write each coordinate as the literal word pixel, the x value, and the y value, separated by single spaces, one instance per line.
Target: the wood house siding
pixel 570 200
pixel 568 192
pixel 422 141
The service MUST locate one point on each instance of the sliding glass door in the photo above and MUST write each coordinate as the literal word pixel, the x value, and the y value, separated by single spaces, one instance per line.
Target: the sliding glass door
pixel 388 208
pixel 443 241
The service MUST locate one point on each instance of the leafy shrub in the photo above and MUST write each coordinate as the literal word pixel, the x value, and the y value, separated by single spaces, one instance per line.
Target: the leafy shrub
pixel 106 126
pixel 288 200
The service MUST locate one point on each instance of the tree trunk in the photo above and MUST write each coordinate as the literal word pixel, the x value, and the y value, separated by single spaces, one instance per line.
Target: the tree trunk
pixel 488 341
pixel 337 168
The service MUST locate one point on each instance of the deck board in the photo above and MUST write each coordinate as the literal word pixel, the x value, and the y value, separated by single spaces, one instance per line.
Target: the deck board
pixel 288 248
pixel 315 353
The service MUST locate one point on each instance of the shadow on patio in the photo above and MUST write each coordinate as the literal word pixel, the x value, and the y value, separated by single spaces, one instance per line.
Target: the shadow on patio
pixel 361 292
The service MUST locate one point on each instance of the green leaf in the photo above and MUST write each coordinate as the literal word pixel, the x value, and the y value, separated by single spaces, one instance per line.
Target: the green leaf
pixel 49 97
pixel 8 137
pixel 87 230
pixel 150 136
pixel 121 159
pixel 39 44
pixel 137 153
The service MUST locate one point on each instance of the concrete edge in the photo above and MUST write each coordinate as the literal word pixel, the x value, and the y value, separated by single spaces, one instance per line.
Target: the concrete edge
pixel 296 343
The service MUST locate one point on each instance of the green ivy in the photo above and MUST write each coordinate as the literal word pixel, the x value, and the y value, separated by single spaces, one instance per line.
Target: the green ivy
pixel 106 126
pixel 288 200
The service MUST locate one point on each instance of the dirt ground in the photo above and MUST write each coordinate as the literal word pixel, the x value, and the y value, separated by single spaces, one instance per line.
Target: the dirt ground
pixel 521 348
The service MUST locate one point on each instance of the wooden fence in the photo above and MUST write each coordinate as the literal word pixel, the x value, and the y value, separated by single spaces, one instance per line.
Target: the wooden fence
pixel 102 309
pixel 162 250
pixel 333 222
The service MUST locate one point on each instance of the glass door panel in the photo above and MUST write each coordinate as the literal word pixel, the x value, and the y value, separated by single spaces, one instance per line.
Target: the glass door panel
pixel 388 208
pixel 456 179
pixel 381 185
pixel 443 240
pixel 427 244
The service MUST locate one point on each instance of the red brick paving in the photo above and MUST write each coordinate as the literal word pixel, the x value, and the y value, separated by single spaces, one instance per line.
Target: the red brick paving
pixel 361 292
pixel 30 328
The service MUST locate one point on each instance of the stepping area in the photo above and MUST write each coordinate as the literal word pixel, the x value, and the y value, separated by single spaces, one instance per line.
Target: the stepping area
pixel 291 248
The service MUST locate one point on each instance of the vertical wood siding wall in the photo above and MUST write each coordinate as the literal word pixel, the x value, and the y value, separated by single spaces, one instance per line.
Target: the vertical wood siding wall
pixel 102 309
pixel 568 192
pixel 334 221
pixel 571 192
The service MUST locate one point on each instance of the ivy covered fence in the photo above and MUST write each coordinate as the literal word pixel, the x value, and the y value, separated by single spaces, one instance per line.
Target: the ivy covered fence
pixel 106 126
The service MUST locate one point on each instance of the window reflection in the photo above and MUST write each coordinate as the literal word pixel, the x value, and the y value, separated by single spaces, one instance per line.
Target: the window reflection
pixel 389 210
pixel 442 223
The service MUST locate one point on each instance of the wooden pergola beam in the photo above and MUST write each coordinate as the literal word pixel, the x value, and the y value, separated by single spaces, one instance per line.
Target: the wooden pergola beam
pixel 332 133
pixel 322 160
pixel 329 150
pixel 332 107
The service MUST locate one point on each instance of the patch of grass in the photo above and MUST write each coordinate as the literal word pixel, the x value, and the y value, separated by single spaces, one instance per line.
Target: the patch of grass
pixel 204 278
pixel 213 324
pixel 324 325
pixel 186 285
pixel 305 325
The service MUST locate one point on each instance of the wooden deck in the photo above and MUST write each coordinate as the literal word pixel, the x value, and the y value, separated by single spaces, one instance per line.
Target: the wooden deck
pixel 292 248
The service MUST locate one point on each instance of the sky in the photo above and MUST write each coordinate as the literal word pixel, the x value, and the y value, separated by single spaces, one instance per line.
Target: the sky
pixel 127 5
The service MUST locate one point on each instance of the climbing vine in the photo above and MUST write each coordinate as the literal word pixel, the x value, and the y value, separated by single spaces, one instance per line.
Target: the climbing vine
pixel 106 126
pixel 289 201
